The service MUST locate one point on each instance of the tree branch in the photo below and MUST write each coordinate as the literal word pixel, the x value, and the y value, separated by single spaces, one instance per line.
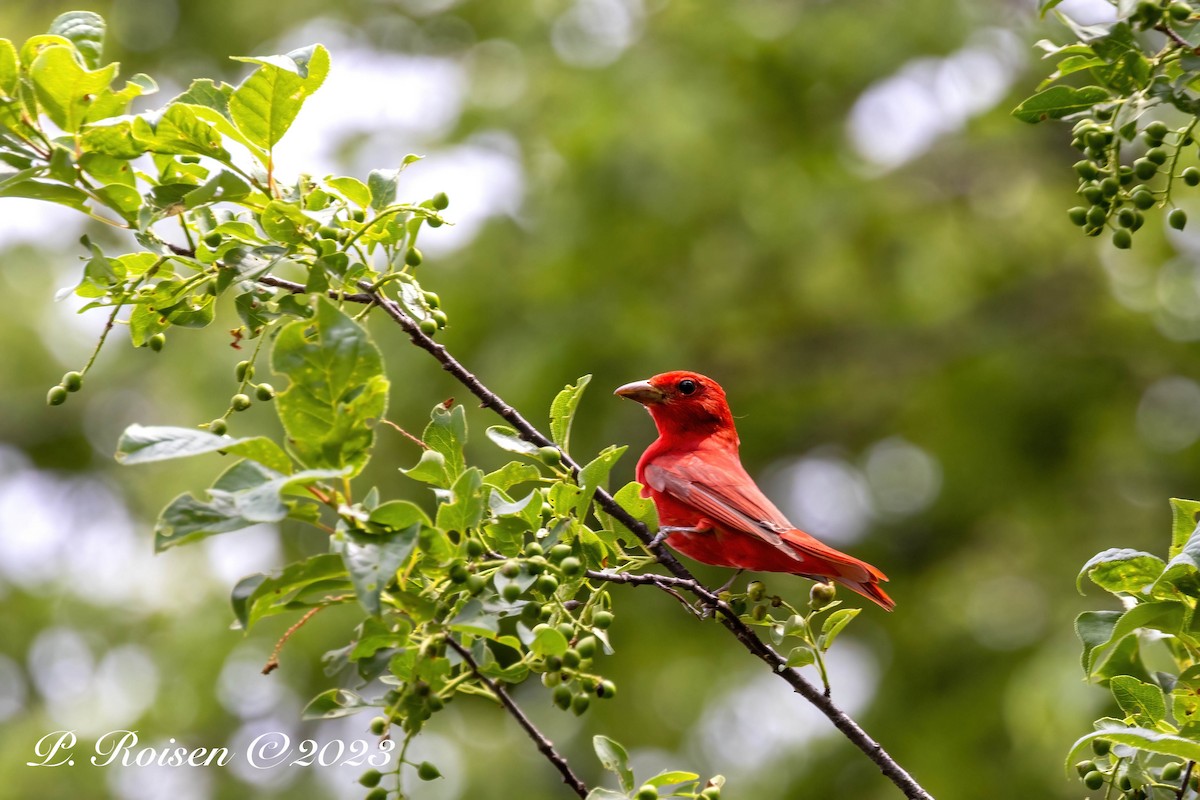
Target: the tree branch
pixel 683 579
pixel 543 744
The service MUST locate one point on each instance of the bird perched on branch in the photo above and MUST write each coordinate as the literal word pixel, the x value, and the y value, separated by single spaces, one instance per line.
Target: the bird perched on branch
pixel 709 508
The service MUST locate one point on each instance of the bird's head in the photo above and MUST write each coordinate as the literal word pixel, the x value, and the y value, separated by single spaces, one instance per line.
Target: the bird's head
pixel 683 403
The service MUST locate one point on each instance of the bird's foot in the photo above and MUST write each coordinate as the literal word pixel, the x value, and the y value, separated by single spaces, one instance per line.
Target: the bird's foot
pixel 666 530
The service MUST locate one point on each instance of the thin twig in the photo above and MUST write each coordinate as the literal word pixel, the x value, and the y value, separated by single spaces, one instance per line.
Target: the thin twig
pixel 1183 784
pixel 1174 36
pixel 742 632
pixel 543 744
pixel 273 662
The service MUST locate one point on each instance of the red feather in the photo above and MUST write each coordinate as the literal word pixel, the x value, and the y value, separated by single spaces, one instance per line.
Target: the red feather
pixel 696 479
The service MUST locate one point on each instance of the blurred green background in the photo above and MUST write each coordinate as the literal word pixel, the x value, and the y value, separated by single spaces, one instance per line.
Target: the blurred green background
pixel 824 205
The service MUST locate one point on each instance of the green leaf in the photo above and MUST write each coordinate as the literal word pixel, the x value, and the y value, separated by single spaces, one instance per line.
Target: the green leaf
pixel 302 584
pixel 671 778
pixel 594 475
pixel 1095 630
pixel 465 508
pixel 372 560
pixel 1059 101
pixel 475 619
pixel 85 30
pixel 337 389
pixel 203 92
pixel 446 433
pixel 1151 741
pixel 382 185
pixel 1121 570
pixel 548 641
pixel 512 474
pixel 430 469
pixel 641 508
pixel 1182 573
pixel 1091 626
pixel 65 88
pixel 398 514
pixel 266 103
pixel 352 189
pixel 614 759
pixel 285 222
pixel 1185 514
pixel 801 656
pixel 1142 701
pixel 834 624
pixel 141 444
pixel 334 703
pixel 44 190
pixel 600 793
pixel 562 412
pixel 508 439
pixel 8 69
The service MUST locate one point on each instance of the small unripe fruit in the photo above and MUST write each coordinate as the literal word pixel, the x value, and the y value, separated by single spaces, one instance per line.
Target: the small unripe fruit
pixel 602 619
pixel 72 381
pixel 567 630
pixel 1179 11
pixel 511 592
pixel 218 427
pixel 440 201
pixel 327 232
pixel 239 402
pixel 1125 783
pixel 378 793
pixel 571 659
pixel 1177 219
pixel 547 584
pixel 1096 215
pixel 358 215
pixel 553 663
pixel 1157 154
pixel 1126 217
pixel 606 690
pixel 1122 239
pixel 439 317
pixel 571 566
pixel 1086 170
pixel 711 793
pixel 243 370
pixel 432 300
pixel 474 548
pixel 1092 193
pixel 1172 771
pixel 536 565
pixel 371 778
pixel 1101 746
pixel 1078 215
pixel 428 327
pixel 562 697
pixel 56 396
pixel 587 647
pixel 559 552
pixel 212 239
pixel 759 613
pixel 551 678
pixel 1084 767
pixel 1093 780
pixel 458 572
pixel 580 703
pixel 533 549
pixel 1191 176
pixel 1144 168
pixel 510 568
pixel 264 392
pixel 1156 131
pixel 550 456
pixel 1110 186
pixel 475 584
pixel 433 223
pixel 427 771
pixel 821 595
pixel 413 257
pixel 647 792
pixel 1143 199
pixel 756 590
pixel 156 342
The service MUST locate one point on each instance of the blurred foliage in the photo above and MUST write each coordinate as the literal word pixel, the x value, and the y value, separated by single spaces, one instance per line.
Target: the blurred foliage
pixel 697 202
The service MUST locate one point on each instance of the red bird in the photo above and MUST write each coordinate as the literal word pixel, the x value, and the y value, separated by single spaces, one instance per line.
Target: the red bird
pixel 709 508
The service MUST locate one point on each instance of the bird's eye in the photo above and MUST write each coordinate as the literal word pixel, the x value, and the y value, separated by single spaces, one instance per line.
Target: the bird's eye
pixel 687 386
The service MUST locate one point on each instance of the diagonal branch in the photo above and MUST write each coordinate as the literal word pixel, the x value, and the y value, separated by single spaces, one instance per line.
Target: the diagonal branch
pixel 682 577
pixel 543 744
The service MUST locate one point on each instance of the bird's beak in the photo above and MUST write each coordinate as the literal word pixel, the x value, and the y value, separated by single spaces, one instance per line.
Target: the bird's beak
pixel 641 391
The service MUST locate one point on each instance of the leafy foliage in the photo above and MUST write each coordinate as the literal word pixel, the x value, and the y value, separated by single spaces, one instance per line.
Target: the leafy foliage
pixel 1144 72
pixel 1146 655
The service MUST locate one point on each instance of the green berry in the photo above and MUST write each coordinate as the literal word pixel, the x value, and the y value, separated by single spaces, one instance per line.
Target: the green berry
pixel 440 201
pixel 413 257
pixel 1092 193
pixel 474 548
pixel 432 300
pixel 606 690
pixel 1078 215
pixel 550 456
pixel 533 549
pixel 580 703
pixel 239 402
pixel 427 771
pixel 358 215
pixel 587 646
pixel 1125 175
pixel 510 568
pixel 647 792
pixel 327 232
pixel 212 239
pixel 1093 780
pixel 56 396
pixel 571 566
pixel 1156 131
pixel 428 327
pixel 562 697
pixel 1126 217
pixel 475 584
pixel 1086 170
pixel 264 392
pixel 711 793
pixel 1143 199
pixel 602 619
pixel 756 590
pixel 759 613
pixel 1144 168
pixel 371 778
pixel 243 371
pixel 1125 783
pixel 559 552
pixel 821 595
pixel 1096 215
pixel 1191 176
pixel 1101 746
pixel 567 630
pixel 1122 239
pixel 1179 11
pixel 1172 771
pixel 547 584
pixel 551 678
pixel 378 725
pixel 1157 154
pixel 1177 219
pixel 378 793
pixel 156 342
pixel 1084 767
pixel 511 592
pixel 433 223
pixel 218 427
pixel 571 659
pixel 439 317
pixel 73 381
pixel 535 565
pixel 553 663
pixel 1109 187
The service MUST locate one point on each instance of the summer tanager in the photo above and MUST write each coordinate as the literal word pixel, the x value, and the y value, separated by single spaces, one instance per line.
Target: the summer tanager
pixel 709 508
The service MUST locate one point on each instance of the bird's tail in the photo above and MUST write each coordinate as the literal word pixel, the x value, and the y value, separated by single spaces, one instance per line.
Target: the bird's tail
pixel 853 573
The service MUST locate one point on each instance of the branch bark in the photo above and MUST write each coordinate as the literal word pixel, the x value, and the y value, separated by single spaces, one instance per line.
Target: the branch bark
pixel 543 744
pixel 681 577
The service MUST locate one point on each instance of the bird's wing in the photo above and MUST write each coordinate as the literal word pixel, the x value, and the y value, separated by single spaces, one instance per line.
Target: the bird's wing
pixel 714 483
